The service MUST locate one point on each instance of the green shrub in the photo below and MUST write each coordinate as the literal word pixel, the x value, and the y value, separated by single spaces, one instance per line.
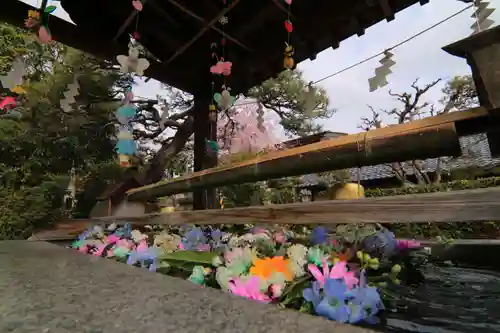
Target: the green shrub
pixel 449 230
pixel 24 210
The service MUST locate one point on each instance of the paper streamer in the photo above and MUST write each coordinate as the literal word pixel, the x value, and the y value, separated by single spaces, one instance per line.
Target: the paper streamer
pixel 481 14
pixel 71 92
pixel 126 145
pixel 381 73
pixel 15 76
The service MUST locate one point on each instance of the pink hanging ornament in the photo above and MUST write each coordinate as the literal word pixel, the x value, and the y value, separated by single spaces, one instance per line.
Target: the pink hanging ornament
pixel 288 2
pixel 222 68
pixel 44 35
pixel 137 4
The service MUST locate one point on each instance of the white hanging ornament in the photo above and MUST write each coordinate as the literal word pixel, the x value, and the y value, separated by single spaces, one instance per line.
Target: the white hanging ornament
pixel 481 14
pixel 164 116
pixel 132 62
pixel 380 78
pixel 260 118
pixel 71 92
pixel 224 99
pixel 310 99
pixel 15 76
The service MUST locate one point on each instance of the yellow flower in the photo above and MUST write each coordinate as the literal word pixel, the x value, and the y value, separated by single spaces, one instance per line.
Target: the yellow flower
pixel 265 268
pixel 18 90
pixel 33 14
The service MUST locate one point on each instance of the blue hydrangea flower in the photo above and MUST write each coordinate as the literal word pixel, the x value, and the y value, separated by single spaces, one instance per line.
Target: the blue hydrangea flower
pixel 217 238
pixel 333 305
pixel 125 231
pixel 381 244
pixel 318 236
pixel 313 294
pixel 142 257
pixel 193 239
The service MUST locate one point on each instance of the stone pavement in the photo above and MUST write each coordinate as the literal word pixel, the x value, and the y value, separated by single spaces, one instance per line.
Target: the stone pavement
pixel 48 289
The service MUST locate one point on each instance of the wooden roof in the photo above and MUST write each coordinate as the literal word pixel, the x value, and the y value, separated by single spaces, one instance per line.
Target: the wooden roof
pixel 179 32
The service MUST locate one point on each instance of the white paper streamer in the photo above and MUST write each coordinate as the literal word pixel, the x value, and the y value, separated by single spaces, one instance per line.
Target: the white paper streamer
pixel 380 78
pixel 15 76
pixel 481 14
pixel 71 92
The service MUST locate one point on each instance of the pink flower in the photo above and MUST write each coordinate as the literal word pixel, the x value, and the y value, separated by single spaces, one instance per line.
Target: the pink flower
pixel 112 239
pixel 406 244
pixel 249 289
pixel 339 271
pixel 204 247
pixel 44 35
pixel 279 237
pixel 83 249
pixel 143 246
pixel 222 68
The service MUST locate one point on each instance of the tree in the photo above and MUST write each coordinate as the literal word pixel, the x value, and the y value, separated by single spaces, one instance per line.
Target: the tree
pixel 39 150
pixel 458 93
pixel 288 96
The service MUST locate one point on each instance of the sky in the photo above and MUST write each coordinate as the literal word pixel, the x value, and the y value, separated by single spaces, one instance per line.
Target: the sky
pixel 420 58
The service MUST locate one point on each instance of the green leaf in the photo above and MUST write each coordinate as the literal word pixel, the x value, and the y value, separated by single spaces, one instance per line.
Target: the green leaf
pixel 202 258
pixel 294 290
pixel 50 9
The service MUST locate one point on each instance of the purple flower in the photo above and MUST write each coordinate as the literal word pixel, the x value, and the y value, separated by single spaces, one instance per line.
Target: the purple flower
pixel 143 257
pixel 380 244
pixel 194 239
pixel 312 294
pixel 318 236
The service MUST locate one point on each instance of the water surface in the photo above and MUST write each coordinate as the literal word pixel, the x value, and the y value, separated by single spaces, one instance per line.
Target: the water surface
pixel 451 300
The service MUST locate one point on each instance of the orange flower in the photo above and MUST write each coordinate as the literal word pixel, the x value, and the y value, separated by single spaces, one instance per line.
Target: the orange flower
pixel 343 256
pixel 267 266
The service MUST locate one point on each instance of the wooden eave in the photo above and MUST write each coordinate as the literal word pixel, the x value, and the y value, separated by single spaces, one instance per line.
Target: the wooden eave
pixel 178 33
pixel 425 138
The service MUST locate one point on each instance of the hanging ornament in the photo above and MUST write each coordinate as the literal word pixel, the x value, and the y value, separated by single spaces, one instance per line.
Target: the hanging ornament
pixel 380 78
pixel 212 112
pixel 223 20
pixel 222 67
pixel 72 90
pixel 212 145
pixel 15 76
pixel 136 35
pixel 481 14
pixel 132 62
pixel 126 145
pixel 164 116
pixel 288 2
pixel 310 99
pixel 224 99
pixel 35 23
pixel 260 117
pixel 7 103
pixel 288 62
pixel 137 4
pixel 288 26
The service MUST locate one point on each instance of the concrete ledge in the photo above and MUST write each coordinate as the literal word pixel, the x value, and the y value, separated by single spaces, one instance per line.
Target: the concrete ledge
pixel 46 288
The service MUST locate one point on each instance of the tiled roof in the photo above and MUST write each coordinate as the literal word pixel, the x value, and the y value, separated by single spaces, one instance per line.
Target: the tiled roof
pixel 475 153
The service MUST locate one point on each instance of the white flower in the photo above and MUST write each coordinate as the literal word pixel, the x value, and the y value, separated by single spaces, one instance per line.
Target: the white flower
pixel 223 20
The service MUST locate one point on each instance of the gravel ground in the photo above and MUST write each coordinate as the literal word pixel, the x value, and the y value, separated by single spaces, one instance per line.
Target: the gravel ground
pixel 45 288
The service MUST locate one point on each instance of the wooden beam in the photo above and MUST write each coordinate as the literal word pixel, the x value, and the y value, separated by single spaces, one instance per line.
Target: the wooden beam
pixel 425 138
pixel 479 205
pixel 199 18
pixel 201 32
pixel 387 10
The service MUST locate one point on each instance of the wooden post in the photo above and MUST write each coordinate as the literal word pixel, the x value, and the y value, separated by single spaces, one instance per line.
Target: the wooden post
pixel 205 128
pixel 482 51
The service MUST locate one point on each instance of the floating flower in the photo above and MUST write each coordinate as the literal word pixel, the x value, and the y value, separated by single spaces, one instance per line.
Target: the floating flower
pixel 265 268
pixel 193 239
pixel 167 242
pixel 380 244
pixel 297 254
pixel 333 305
pixel 142 256
pixel 249 289
pixel 319 236
pixel 198 275
pixel 316 255
pixel 367 299
pixel 338 271
pixel 407 244
pixel 313 294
